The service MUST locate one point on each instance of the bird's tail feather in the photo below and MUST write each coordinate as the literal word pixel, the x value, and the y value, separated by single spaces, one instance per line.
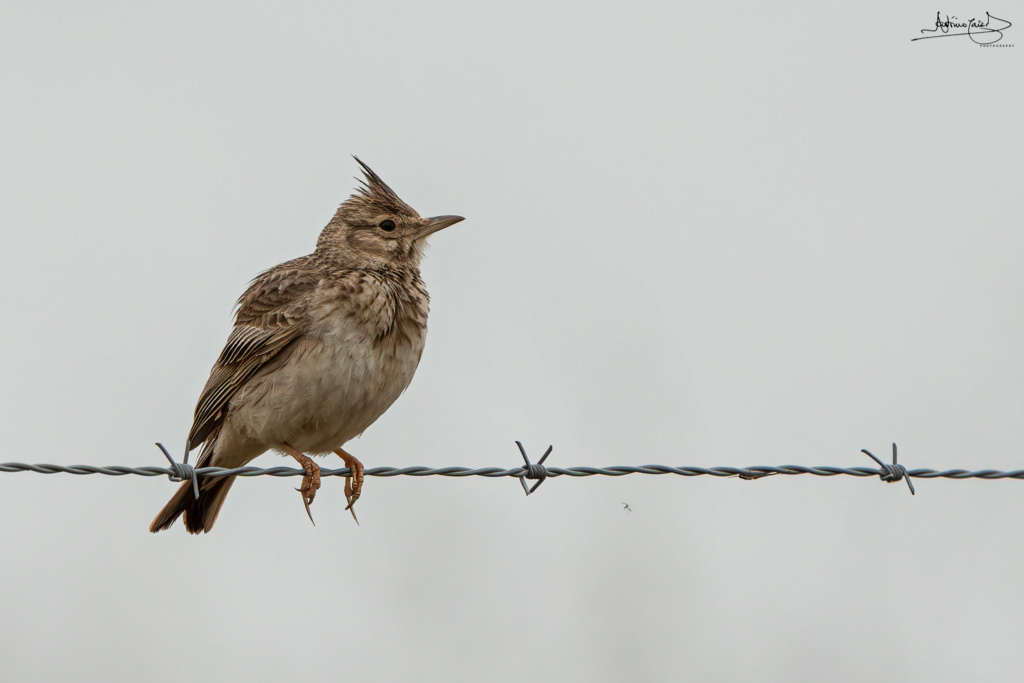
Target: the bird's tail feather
pixel 200 513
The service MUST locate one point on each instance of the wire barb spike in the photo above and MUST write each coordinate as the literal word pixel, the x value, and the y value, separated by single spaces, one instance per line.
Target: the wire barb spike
pixel 533 470
pixel 182 470
pixel 891 473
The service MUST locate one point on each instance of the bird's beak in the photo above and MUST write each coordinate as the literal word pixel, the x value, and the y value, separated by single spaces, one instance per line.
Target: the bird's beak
pixel 432 225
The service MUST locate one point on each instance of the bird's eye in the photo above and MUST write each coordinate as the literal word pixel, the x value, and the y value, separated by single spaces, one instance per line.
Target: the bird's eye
pixel 387 225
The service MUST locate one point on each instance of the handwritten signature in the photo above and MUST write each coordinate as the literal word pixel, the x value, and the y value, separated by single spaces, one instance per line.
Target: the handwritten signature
pixel 980 31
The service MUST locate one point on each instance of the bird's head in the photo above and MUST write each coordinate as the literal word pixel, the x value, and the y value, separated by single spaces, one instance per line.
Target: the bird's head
pixel 374 228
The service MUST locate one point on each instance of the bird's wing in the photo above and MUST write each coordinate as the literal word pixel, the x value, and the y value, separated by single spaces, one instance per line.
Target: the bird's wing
pixel 269 318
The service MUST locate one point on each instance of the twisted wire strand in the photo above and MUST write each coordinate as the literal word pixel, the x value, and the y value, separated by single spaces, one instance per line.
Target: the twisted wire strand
pixel 757 471
pixel 536 471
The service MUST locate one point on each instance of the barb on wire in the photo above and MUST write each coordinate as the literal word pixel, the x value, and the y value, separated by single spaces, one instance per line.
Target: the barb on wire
pixel 891 473
pixel 182 471
pixel 534 470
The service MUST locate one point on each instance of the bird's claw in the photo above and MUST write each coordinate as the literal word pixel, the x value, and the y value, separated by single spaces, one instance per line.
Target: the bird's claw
pixel 354 483
pixel 310 481
pixel 306 500
pixel 351 509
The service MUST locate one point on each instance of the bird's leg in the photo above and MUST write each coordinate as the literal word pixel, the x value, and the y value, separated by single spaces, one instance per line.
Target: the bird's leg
pixel 310 482
pixel 353 484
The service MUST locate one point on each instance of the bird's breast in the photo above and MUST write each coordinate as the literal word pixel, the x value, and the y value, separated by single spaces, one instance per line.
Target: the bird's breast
pixel 352 362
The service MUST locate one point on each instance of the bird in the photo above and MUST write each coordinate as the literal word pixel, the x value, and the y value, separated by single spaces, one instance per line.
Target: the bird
pixel 322 345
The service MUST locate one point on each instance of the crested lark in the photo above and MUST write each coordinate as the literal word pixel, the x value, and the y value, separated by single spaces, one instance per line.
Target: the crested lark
pixel 322 346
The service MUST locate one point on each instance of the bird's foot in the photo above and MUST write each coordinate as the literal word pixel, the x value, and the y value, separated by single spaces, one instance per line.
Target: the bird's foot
pixel 310 484
pixel 354 483
pixel 311 480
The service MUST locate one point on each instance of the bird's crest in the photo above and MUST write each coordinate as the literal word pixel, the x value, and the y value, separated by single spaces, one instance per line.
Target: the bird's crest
pixel 375 196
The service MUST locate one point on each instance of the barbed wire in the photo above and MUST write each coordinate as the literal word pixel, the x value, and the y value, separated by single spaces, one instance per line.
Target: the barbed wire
pixel 182 471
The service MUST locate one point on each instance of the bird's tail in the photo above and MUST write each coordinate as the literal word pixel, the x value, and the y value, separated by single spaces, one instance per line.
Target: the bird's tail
pixel 200 513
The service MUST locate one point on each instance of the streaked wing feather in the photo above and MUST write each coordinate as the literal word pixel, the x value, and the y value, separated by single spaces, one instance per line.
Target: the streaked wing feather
pixel 268 320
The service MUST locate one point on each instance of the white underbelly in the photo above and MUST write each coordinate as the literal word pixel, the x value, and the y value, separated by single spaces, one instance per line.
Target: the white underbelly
pixel 329 391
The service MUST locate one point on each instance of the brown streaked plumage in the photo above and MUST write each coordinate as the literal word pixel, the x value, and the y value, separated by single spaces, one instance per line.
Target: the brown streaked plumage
pixel 322 346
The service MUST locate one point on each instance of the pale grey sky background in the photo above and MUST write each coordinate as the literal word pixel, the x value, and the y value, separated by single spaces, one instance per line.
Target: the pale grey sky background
pixel 715 233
